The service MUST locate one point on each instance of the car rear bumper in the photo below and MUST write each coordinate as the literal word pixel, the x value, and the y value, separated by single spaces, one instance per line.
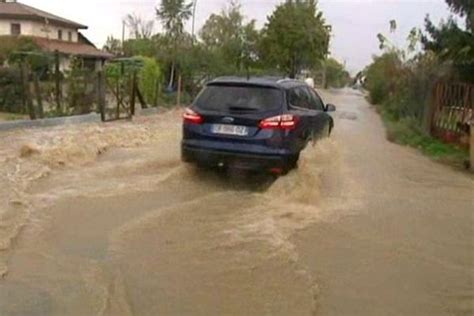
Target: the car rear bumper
pixel 248 161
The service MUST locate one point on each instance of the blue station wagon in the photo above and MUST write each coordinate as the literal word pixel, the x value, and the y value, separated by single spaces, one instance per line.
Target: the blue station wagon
pixel 259 124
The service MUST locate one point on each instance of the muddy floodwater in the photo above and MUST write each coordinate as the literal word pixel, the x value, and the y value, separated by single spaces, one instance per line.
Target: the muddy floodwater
pixel 104 219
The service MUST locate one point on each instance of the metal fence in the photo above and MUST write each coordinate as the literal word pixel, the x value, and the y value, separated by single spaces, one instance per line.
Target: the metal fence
pixel 453 111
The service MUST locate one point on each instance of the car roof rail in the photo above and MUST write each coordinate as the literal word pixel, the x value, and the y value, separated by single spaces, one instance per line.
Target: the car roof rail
pixel 285 80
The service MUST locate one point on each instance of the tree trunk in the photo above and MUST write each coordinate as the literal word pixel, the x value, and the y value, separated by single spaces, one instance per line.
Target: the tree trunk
pixel 170 84
pixel 133 93
pixel 178 97
pixel 39 98
pixel 26 91
pixel 471 150
pixel 101 93
pixel 57 77
pixel 428 110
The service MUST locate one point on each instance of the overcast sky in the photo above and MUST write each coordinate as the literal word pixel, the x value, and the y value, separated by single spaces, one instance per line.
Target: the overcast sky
pixel 355 22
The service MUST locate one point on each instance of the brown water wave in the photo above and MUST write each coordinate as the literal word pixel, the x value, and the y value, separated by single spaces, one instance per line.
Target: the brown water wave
pixel 30 157
pixel 106 204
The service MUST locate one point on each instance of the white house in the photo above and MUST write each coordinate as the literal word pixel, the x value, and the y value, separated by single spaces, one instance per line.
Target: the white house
pixel 51 33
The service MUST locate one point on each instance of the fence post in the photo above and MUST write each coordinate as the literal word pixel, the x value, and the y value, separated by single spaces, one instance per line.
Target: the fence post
pixel 101 89
pixel 134 93
pixel 140 97
pixel 429 109
pixel 471 145
pixel 57 78
pixel 39 99
pixel 157 91
pixel 26 91
pixel 178 98
pixel 117 94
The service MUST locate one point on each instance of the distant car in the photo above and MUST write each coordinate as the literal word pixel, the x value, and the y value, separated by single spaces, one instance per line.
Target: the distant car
pixel 259 124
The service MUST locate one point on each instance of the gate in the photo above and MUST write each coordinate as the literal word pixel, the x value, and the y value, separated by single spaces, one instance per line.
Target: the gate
pixel 118 91
pixel 453 111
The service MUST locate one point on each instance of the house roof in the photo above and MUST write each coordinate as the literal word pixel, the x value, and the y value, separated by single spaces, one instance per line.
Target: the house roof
pixel 81 49
pixel 17 11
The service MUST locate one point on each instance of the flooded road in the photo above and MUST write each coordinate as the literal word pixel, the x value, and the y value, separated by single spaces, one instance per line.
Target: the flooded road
pixel 105 220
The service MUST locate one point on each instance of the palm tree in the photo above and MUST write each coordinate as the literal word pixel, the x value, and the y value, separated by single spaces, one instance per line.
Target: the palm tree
pixel 173 14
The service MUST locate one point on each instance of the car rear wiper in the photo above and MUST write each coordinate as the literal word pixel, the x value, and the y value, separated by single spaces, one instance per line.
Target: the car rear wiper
pixel 242 109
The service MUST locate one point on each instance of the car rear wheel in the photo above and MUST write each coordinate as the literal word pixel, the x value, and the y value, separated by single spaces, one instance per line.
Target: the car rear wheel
pixel 327 131
pixel 291 163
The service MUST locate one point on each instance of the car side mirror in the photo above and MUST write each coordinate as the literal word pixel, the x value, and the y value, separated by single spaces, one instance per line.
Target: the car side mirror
pixel 330 108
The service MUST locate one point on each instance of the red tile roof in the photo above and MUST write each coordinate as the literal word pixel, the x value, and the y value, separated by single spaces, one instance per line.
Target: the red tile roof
pixel 71 48
pixel 15 10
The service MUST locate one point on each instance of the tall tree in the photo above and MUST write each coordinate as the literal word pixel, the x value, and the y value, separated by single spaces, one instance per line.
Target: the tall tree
pixel 336 74
pixel 139 27
pixel 295 36
pixel 452 42
pixel 465 8
pixel 113 45
pixel 173 14
pixel 228 36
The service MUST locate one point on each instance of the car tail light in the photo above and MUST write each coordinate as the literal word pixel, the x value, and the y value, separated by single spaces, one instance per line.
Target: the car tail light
pixel 286 121
pixel 192 117
pixel 276 171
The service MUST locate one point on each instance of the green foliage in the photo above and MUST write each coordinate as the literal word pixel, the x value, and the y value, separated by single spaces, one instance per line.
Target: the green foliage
pixel 80 87
pixel 141 47
pixel 149 78
pixel 113 46
pixel 12 117
pixel 123 67
pixel 382 77
pixel 465 8
pixel 139 28
pixel 295 37
pixel 228 44
pixel 10 90
pixel 407 131
pixel 23 49
pixel 11 45
pixel 173 14
pixel 230 39
pixel 401 90
pixel 336 74
pixel 148 74
pixel 453 43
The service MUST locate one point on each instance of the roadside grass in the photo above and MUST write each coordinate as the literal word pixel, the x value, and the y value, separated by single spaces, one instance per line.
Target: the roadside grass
pixel 407 132
pixel 11 116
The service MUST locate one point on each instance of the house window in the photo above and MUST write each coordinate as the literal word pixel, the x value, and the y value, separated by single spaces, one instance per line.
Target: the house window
pixel 69 36
pixel 60 35
pixel 15 29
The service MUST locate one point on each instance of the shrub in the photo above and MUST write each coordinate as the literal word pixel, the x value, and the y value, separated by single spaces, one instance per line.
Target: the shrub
pixel 336 74
pixel 148 70
pixel 382 77
pixel 149 77
pixel 80 88
pixel 15 44
pixel 10 90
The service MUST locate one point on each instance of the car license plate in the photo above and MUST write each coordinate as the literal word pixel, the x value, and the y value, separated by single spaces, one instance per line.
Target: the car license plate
pixel 230 130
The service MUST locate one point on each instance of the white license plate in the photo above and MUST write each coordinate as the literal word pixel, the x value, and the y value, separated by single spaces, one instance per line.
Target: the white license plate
pixel 230 130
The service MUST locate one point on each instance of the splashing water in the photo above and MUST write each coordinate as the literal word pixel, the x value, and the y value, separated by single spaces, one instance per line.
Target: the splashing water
pixel 75 189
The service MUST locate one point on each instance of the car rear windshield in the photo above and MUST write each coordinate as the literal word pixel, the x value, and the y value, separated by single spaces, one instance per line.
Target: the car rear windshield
pixel 239 98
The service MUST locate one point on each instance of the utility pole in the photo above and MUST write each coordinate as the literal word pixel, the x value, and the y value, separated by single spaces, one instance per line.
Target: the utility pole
pixel 326 55
pixel 123 36
pixel 194 19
